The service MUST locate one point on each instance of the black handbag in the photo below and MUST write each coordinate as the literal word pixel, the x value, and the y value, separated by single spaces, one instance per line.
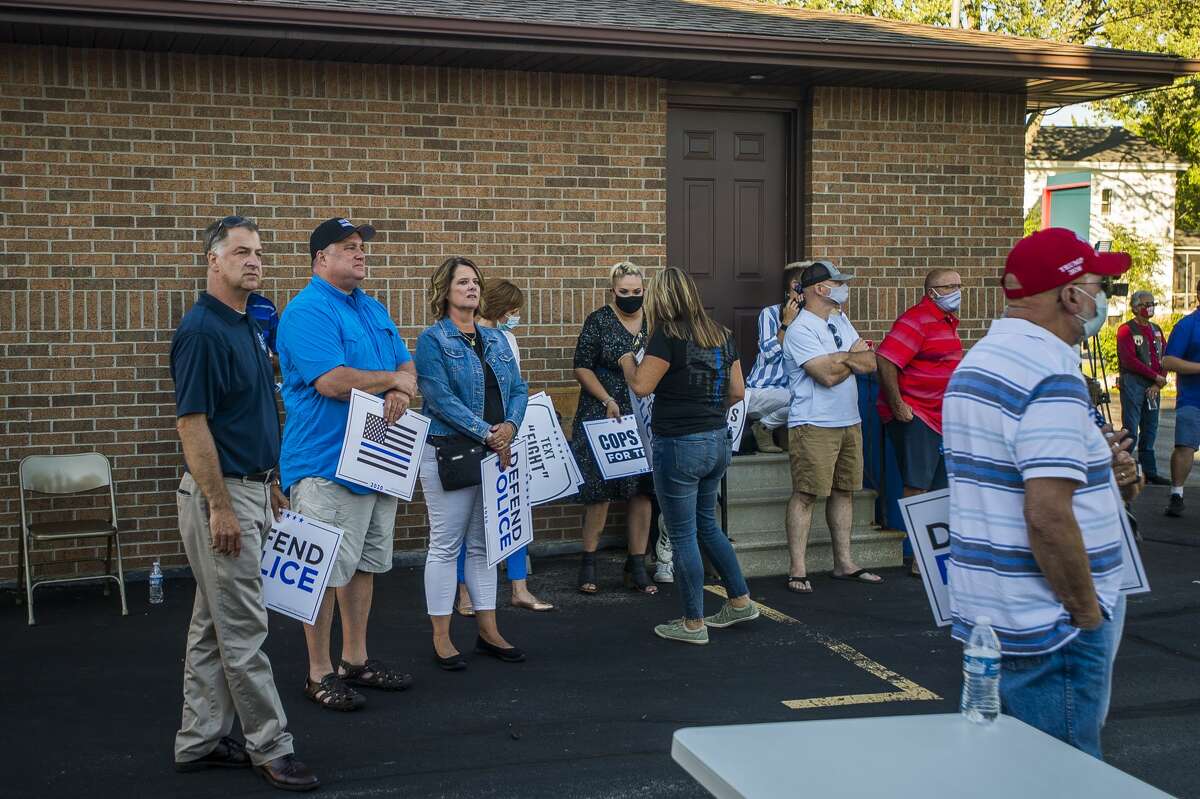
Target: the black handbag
pixel 458 460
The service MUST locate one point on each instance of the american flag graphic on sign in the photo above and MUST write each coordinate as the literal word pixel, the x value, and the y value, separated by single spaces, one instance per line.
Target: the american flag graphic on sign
pixel 386 448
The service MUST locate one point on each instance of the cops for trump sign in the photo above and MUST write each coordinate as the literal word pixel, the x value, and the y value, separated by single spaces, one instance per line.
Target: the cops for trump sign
pixel 617 447
pixel 507 511
pixel 297 556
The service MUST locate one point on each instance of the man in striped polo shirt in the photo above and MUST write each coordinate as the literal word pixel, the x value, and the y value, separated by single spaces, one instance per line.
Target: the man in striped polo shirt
pixel 1036 492
pixel 915 361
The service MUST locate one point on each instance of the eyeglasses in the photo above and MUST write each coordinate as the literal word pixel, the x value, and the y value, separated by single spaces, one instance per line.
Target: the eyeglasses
pixel 949 287
pixel 218 232
pixel 836 338
pixel 1105 284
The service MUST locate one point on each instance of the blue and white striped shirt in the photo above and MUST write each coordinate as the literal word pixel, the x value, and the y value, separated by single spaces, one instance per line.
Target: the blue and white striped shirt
pixel 1017 408
pixel 768 366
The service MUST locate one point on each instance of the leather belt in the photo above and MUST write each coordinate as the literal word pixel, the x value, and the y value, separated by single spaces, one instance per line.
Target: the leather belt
pixel 258 477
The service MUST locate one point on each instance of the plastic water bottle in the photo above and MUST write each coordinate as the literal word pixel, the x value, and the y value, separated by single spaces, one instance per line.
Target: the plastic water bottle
pixel 981 674
pixel 156 584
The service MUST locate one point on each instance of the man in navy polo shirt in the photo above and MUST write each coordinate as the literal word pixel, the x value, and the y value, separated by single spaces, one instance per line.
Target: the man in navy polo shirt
pixel 229 426
pixel 334 338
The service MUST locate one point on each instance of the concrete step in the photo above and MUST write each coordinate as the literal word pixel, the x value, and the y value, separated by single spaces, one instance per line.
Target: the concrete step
pixel 759 488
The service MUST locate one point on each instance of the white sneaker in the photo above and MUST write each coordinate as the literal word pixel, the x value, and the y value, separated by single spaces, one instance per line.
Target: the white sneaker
pixel 664 572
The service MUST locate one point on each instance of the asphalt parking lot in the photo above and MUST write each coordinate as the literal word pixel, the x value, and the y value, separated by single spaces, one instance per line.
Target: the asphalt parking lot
pixel 91 700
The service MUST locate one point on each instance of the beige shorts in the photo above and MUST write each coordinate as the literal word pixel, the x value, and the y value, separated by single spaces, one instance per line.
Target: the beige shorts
pixel 825 458
pixel 367 522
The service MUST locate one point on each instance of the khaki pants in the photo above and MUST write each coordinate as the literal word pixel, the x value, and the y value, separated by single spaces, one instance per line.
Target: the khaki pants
pixel 225 671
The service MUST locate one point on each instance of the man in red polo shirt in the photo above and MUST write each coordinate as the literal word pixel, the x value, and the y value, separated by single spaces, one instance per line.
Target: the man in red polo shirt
pixel 916 359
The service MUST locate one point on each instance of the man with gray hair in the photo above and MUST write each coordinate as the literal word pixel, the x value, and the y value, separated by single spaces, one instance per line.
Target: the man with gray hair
pixel 229 427
pixel 1140 345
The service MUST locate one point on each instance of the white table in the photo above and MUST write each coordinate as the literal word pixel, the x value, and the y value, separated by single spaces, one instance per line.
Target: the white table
pixel 930 756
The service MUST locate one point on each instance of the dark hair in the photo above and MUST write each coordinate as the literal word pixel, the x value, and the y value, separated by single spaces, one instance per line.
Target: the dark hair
pixel 791 274
pixel 443 276
pixel 218 231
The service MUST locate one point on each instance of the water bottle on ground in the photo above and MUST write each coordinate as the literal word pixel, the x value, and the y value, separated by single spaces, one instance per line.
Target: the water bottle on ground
pixel 156 584
pixel 981 674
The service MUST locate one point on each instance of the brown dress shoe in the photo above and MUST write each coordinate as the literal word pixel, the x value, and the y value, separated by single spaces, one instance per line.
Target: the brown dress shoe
pixel 228 753
pixel 288 774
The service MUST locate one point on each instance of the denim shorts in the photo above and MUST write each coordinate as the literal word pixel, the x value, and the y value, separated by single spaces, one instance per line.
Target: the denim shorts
pixel 1187 426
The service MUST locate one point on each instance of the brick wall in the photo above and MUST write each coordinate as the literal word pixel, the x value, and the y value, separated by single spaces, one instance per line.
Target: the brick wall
pixel 903 181
pixel 111 162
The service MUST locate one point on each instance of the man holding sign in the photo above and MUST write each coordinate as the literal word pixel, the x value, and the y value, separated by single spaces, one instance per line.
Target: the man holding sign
pixel 1035 511
pixel 229 427
pixel 333 339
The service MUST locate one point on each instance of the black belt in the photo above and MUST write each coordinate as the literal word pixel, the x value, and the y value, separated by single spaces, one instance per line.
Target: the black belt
pixel 258 477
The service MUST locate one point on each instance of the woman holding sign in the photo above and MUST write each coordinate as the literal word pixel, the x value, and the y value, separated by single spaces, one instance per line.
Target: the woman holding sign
pixel 691 367
pixel 608 333
pixel 501 309
pixel 475 399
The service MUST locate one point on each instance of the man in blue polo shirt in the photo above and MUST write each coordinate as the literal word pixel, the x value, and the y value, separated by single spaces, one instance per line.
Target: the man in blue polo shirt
pixel 334 338
pixel 1182 357
pixel 229 428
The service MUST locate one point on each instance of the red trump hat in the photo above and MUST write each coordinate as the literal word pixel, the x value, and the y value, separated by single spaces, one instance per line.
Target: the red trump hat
pixel 1054 257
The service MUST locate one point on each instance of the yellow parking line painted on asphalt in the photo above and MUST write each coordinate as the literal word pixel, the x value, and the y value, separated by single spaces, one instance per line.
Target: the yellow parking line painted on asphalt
pixel 908 691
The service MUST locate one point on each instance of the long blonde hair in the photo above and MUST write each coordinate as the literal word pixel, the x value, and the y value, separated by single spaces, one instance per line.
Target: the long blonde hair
pixel 673 305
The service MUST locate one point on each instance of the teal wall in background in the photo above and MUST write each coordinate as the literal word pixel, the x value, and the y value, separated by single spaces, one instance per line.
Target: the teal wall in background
pixel 1071 208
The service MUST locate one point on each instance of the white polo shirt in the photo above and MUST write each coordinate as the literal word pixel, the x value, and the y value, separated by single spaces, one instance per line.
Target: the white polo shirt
pixel 808 337
pixel 1017 408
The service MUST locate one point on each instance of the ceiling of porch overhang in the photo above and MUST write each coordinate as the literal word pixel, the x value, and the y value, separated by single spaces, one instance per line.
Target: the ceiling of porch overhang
pixel 717 41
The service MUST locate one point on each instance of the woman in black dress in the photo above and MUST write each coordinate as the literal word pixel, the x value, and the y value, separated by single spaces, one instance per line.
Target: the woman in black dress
pixel 608 333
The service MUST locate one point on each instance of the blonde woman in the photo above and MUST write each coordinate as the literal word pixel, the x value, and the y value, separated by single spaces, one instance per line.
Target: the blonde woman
pixel 501 309
pixel 691 367
pixel 609 332
pixel 474 395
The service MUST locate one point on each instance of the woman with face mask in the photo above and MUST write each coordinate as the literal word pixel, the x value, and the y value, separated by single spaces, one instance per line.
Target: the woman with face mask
pixel 501 309
pixel 608 333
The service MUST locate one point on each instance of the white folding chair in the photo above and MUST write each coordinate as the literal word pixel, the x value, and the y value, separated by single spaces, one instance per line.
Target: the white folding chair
pixel 59 475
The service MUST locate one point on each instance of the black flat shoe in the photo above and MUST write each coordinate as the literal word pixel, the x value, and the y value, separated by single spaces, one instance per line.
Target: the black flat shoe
pixel 509 655
pixel 452 663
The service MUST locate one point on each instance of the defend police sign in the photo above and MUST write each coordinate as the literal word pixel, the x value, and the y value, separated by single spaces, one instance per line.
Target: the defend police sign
pixel 617 447
pixel 297 557
pixel 507 517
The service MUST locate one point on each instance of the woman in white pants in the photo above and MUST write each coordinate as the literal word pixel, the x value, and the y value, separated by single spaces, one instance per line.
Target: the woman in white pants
pixel 475 398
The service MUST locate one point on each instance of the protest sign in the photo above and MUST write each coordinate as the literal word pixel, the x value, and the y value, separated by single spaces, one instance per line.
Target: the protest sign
pixel 617 447
pixel 736 419
pixel 927 518
pixel 507 512
pixel 382 457
pixel 297 556
pixel 549 459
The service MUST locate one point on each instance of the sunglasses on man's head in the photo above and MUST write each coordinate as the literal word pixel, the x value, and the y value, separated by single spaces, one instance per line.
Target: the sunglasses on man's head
pixel 223 224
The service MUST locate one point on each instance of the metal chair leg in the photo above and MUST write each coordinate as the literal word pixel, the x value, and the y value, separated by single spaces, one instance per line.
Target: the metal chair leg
pixel 20 567
pixel 28 583
pixel 120 574
pixel 108 564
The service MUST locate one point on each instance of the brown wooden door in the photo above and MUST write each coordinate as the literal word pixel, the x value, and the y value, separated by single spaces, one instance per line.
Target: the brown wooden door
pixel 726 212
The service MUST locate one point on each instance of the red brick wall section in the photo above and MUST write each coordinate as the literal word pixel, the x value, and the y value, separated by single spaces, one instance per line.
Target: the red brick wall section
pixel 111 162
pixel 904 181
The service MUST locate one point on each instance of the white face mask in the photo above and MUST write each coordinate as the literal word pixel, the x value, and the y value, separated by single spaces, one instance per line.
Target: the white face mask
pixel 513 321
pixel 839 294
pixel 948 302
pixel 1092 325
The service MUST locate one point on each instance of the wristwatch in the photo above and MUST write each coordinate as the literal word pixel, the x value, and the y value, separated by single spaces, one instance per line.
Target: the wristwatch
pixel 782 326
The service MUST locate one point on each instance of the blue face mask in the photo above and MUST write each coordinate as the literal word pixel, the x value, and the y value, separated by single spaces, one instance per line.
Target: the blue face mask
pixel 513 321
pixel 839 294
pixel 948 302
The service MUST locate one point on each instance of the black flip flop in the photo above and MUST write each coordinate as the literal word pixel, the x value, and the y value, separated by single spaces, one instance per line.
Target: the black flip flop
pixel 806 590
pixel 857 577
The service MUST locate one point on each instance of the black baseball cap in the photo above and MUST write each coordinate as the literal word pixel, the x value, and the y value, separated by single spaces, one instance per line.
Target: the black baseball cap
pixel 819 272
pixel 334 230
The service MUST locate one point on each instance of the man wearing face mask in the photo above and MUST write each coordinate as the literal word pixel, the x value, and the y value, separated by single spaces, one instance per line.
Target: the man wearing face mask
pixel 822 352
pixel 915 360
pixel 1140 345
pixel 1037 492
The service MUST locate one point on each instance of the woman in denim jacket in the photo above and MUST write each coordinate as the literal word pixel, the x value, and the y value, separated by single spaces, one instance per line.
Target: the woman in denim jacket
pixel 472 390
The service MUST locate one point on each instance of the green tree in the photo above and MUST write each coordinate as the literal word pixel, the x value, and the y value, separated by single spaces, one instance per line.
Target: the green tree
pixel 1144 255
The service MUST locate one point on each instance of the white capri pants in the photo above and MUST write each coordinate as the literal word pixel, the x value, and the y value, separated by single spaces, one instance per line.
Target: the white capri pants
pixel 769 405
pixel 453 517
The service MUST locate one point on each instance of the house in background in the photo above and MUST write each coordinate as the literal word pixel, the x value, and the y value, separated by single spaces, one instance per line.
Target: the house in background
pixel 1094 179
pixel 1187 271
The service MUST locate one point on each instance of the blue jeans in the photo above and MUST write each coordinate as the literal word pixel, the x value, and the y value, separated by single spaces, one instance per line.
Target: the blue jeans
pixel 687 474
pixel 518 569
pixel 1140 420
pixel 1065 693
